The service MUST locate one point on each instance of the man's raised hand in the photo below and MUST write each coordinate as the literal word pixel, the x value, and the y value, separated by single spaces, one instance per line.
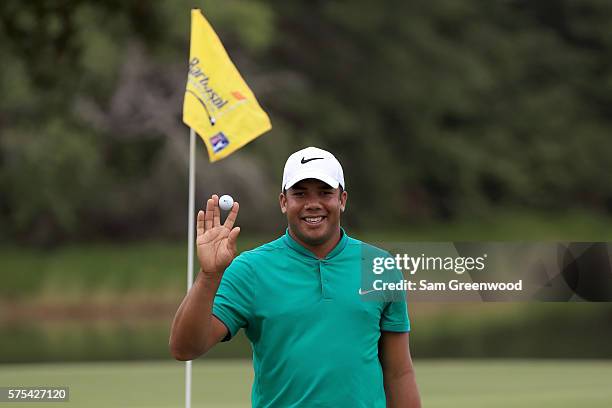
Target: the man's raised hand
pixel 216 243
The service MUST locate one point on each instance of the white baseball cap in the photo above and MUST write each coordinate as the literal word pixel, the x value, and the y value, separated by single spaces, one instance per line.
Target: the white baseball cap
pixel 314 163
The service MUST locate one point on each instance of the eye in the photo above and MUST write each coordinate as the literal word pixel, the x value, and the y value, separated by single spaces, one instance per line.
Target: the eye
pixel 298 194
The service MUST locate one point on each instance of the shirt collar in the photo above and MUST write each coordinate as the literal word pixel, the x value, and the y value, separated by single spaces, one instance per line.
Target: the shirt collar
pixel 296 246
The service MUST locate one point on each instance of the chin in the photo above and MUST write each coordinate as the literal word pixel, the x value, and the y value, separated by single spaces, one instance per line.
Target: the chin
pixel 317 238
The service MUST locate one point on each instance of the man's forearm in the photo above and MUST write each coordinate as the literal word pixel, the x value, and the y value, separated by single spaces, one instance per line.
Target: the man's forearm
pixel 402 391
pixel 191 329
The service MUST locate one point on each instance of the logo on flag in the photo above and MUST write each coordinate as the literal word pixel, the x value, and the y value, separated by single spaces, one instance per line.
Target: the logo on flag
pixel 219 142
pixel 218 104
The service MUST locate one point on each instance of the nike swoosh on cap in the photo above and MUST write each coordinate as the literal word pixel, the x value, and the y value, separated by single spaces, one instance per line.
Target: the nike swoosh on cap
pixel 365 292
pixel 304 160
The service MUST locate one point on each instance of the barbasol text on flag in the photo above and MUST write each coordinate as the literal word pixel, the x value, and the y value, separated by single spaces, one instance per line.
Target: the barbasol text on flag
pixel 218 103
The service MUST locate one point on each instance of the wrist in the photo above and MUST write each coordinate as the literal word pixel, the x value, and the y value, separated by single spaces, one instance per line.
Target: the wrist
pixel 208 280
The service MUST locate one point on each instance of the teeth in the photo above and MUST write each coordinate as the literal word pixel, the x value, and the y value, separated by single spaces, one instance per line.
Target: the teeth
pixel 313 220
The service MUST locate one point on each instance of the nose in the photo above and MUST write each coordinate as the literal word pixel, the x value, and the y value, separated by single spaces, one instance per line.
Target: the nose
pixel 313 204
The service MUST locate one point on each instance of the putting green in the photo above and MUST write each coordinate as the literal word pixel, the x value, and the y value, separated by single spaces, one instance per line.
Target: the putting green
pixel 226 383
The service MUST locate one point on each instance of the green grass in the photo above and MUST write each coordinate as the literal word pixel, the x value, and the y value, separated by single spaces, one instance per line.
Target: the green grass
pixel 504 226
pixel 80 269
pixel 445 383
pixel 72 271
pixel 467 330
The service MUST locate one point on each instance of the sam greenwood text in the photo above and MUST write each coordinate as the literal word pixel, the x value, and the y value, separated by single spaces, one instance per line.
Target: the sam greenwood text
pixel 455 285
pixel 454 264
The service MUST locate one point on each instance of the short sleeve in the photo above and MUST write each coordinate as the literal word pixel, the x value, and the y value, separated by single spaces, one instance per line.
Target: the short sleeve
pixel 234 299
pixel 395 313
pixel 395 317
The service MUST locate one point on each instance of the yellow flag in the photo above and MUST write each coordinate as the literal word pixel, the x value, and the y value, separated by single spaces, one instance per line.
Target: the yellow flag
pixel 218 104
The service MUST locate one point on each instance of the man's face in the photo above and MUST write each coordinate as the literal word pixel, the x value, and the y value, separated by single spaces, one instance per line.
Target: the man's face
pixel 313 210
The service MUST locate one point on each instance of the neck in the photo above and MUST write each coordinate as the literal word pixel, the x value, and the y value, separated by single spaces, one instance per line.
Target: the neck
pixel 320 250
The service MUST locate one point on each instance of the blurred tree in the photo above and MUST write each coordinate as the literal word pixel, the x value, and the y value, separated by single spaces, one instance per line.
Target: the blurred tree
pixel 446 109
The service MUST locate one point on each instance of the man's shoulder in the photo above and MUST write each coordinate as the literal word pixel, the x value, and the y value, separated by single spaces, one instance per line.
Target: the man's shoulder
pixel 247 262
pixel 271 248
pixel 365 247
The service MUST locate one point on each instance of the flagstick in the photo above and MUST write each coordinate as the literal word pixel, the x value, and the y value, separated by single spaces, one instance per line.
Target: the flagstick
pixel 190 244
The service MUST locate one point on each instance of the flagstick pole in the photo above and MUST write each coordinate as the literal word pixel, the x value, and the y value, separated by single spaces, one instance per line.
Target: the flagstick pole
pixel 190 246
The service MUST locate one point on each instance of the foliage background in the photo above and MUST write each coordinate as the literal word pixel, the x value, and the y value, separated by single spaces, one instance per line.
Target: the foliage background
pixel 453 120
pixel 445 109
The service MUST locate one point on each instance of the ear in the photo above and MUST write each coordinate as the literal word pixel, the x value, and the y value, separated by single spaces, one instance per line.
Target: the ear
pixel 343 198
pixel 282 200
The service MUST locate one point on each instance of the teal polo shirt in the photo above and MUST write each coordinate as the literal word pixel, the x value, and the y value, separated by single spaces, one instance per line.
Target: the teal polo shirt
pixel 314 338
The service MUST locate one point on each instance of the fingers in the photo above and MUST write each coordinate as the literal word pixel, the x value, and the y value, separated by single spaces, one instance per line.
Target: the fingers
pixel 232 238
pixel 216 211
pixel 212 216
pixel 208 218
pixel 200 223
pixel 231 217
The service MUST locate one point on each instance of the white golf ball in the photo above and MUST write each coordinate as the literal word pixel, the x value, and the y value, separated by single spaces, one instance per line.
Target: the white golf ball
pixel 226 202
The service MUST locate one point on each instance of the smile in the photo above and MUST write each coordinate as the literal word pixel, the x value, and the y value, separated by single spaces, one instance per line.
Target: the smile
pixel 313 220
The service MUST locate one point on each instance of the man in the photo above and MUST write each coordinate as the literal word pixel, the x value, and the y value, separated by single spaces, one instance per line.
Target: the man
pixel 316 341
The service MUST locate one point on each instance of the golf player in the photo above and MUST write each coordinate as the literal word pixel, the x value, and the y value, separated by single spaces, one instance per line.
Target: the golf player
pixel 317 341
